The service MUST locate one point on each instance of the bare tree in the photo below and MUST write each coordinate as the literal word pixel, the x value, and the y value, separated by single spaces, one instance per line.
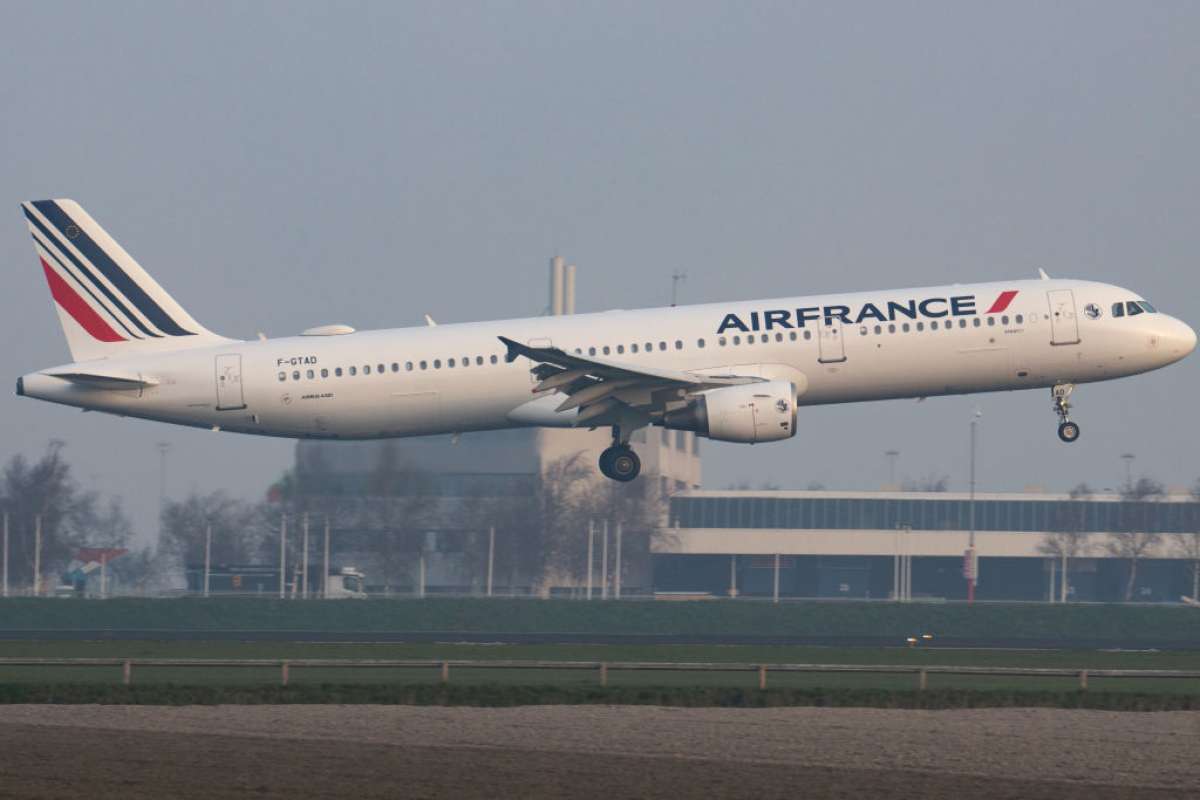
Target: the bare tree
pixel 1068 537
pixel 931 482
pixel 1134 541
pixel 1187 544
pixel 47 491
pixel 239 529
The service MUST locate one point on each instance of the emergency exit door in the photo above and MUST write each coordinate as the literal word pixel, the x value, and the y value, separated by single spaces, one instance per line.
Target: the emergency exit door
pixel 830 342
pixel 1064 324
pixel 229 382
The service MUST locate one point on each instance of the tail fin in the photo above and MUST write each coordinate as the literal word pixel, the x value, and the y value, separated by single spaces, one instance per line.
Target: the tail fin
pixel 108 305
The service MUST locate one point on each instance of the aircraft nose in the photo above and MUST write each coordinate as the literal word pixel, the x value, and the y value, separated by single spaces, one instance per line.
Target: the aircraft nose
pixel 1179 338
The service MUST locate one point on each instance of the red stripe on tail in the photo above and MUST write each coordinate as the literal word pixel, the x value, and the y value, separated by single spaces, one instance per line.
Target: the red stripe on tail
pixel 74 305
pixel 1002 302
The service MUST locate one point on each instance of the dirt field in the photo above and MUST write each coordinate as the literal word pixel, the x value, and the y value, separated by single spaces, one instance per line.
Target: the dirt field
pixel 610 752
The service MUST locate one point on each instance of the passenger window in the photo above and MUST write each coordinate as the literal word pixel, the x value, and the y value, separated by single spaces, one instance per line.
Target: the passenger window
pixel 466 362
pixel 324 373
pixel 493 359
pixel 962 323
pixel 721 341
pixel 424 365
pixel 807 335
pixel 366 369
pixel 737 340
pixel 591 351
pixel 633 347
pixel 311 374
pixel 679 344
pixel 933 326
pixel 621 349
pixel 408 365
pixel 878 329
pixel 779 337
pixel 337 372
pixel 353 371
pixel 479 360
pixel 700 343
pixel 437 363
pixel 450 363
pixel 283 376
pixel 296 375
pixel 976 322
pixel 750 339
pixel 605 350
pixel 1133 308
pixel 649 347
pixel 792 335
pixel 891 328
pixel 920 326
pixel 904 327
pixel 662 345
pixel 1020 318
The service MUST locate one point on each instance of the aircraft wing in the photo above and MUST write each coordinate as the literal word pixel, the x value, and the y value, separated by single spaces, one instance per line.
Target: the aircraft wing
pixel 599 387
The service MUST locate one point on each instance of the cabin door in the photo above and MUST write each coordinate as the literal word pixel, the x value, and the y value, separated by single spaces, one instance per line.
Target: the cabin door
pixel 229 382
pixel 1064 324
pixel 831 342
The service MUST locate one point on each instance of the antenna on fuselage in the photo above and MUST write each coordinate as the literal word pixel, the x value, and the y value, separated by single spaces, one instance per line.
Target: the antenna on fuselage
pixel 676 277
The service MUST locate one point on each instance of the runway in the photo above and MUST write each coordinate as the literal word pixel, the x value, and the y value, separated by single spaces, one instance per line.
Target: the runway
pixel 368 752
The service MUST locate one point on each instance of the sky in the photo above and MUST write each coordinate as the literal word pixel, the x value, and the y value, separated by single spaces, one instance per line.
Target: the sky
pixel 282 165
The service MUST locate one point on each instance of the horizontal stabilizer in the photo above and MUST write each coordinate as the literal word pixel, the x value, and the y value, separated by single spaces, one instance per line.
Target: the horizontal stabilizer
pixel 105 380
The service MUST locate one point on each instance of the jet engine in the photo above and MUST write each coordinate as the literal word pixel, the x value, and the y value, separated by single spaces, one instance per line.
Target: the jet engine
pixel 750 413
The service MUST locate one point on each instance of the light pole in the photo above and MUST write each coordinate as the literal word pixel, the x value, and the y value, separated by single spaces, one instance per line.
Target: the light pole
pixel 1128 459
pixel 891 456
pixel 969 561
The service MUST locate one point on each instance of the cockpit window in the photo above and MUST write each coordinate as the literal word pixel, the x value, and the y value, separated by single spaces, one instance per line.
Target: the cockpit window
pixel 1133 308
pixel 1118 309
pixel 1149 308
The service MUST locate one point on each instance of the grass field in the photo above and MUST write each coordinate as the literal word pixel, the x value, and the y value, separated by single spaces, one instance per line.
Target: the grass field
pixel 1121 625
pixel 256 676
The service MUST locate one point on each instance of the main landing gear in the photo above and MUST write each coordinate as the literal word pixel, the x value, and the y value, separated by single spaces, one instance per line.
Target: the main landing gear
pixel 619 462
pixel 1061 393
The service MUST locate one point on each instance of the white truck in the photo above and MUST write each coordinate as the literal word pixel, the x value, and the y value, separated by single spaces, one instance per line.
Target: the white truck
pixel 346 582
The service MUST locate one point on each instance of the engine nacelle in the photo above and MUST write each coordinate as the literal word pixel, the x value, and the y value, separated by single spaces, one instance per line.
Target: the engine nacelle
pixel 753 412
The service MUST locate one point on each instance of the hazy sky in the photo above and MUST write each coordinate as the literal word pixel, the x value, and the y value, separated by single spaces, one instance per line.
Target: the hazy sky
pixel 278 166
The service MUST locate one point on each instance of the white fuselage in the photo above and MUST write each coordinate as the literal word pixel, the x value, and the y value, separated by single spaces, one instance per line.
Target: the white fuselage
pixel 453 378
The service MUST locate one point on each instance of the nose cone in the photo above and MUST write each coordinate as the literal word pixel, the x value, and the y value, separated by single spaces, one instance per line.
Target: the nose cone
pixel 1178 339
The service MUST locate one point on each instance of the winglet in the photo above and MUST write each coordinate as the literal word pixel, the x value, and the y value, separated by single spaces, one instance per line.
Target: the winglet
pixel 1042 274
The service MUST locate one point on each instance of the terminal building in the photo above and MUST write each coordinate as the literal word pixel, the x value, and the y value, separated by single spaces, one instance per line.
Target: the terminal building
pixel 848 545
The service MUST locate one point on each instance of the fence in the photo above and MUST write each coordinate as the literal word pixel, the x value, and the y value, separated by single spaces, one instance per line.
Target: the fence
pixel 600 668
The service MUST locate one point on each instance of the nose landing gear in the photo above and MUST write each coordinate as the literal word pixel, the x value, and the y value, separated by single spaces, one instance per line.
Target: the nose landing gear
pixel 1061 393
pixel 619 462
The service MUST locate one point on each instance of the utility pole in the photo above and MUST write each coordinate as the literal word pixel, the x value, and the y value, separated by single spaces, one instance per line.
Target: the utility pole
pixel 207 556
pixel 325 564
pixel 283 557
pixel 617 566
pixel 591 550
pixel 6 554
pixel 163 449
pixel 304 561
pixel 491 557
pixel 970 562
pixel 604 563
pixel 37 556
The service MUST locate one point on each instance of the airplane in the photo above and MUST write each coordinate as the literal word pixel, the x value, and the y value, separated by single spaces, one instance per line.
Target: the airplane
pixel 732 372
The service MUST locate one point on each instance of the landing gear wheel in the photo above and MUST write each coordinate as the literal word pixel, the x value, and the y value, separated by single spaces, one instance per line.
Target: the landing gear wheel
pixel 620 463
pixel 1061 393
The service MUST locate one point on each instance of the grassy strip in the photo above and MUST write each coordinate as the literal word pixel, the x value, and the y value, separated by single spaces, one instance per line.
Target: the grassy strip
pixel 497 696
pixel 1125 624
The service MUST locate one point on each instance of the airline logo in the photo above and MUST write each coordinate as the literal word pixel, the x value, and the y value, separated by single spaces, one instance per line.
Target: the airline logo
pixel 890 311
pixel 89 283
